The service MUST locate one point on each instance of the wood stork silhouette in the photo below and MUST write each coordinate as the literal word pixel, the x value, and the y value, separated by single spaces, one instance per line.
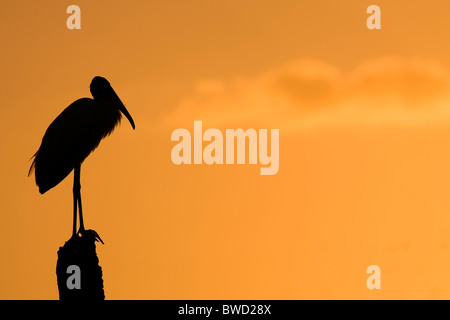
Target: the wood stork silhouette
pixel 72 136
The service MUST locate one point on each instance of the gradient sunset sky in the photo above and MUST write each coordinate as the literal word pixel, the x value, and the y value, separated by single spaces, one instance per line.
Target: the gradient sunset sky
pixel 364 173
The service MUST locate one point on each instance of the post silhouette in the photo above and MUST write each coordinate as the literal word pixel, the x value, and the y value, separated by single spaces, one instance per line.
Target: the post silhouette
pixel 80 252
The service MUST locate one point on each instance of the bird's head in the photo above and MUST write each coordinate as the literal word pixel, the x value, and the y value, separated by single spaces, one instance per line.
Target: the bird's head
pixel 100 89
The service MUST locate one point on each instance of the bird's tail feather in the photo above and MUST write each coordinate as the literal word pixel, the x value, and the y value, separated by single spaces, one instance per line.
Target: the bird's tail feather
pixel 30 172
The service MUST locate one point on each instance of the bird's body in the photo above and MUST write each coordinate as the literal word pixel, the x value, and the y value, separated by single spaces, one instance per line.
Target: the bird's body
pixel 70 138
pixel 74 134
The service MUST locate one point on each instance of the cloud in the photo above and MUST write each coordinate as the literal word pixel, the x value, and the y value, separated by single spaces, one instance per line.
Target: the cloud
pixel 306 93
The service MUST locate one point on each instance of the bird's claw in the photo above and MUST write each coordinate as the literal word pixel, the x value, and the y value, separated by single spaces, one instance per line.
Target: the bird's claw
pixel 91 233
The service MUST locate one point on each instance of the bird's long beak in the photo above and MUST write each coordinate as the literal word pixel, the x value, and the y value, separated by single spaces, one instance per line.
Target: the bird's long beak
pixel 125 112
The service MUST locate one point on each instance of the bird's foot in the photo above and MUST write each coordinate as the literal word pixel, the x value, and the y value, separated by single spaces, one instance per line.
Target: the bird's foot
pixel 90 233
pixel 74 236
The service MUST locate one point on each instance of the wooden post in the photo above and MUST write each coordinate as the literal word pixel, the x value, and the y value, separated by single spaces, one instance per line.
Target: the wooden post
pixel 78 272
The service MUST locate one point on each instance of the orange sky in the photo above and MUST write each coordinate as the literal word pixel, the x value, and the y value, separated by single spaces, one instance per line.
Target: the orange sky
pixel 364 119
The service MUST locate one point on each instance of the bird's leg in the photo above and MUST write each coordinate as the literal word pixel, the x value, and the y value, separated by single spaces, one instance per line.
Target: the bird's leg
pixel 75 197
pixel 81 212
pixel 77 190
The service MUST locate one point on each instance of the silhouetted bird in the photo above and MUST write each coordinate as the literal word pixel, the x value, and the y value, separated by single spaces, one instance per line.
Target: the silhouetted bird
pixel 72 136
